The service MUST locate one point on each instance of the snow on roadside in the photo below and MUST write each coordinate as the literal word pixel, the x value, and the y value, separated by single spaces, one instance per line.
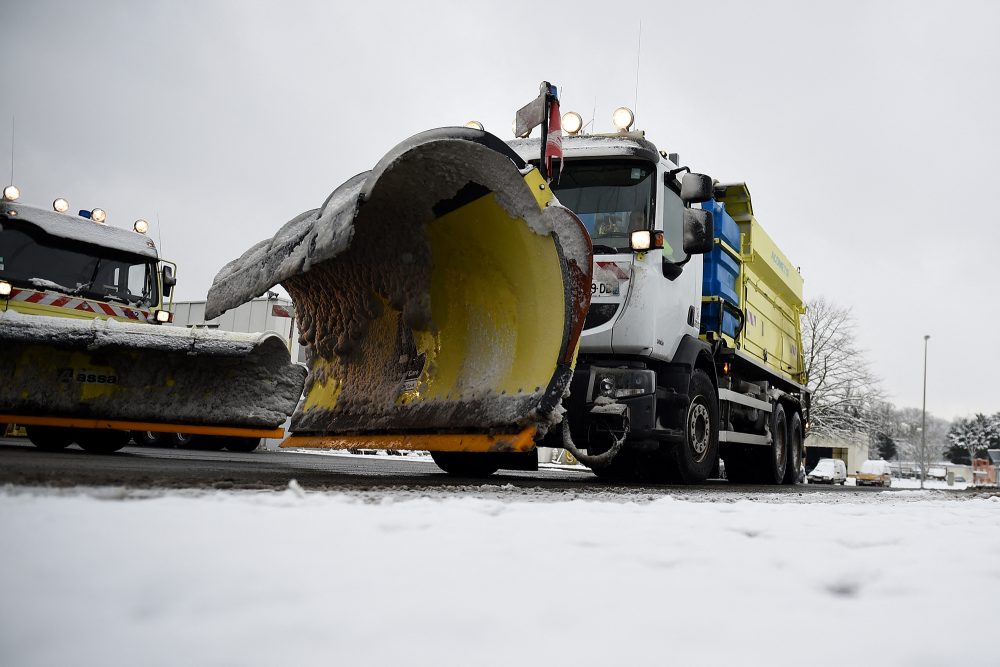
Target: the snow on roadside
pixel 112 577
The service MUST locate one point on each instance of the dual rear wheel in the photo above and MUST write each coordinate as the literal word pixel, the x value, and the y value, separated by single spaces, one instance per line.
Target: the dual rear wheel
pixel 777 463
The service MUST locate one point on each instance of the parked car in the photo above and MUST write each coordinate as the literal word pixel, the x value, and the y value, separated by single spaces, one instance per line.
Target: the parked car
pixel 874 473
pixel 828 471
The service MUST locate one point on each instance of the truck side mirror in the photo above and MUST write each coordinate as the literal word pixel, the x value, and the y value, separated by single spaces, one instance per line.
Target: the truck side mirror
pixel 698 231
pixel 168 280
pixel 696 188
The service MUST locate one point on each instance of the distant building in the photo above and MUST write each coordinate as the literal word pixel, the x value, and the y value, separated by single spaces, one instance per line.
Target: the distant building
pixel 986 471
pixel 853 453
pixel 263 314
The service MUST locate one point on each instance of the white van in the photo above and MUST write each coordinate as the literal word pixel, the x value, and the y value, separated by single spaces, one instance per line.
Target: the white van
pixel 828 471
pixel 874 473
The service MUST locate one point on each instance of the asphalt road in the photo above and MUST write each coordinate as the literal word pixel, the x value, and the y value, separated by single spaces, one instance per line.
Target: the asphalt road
pixel 161 468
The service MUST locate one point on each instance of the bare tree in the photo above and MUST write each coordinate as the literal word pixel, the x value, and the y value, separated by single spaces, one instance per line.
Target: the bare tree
pixel 847 401
pixel 904 426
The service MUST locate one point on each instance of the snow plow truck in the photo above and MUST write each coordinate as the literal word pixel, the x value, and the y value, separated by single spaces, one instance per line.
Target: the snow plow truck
pixel 85 359
pixel 479 298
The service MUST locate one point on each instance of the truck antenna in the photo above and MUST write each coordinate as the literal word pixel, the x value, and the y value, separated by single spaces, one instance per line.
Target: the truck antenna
pixel 12 149
pixel 638 52
pixel 159 233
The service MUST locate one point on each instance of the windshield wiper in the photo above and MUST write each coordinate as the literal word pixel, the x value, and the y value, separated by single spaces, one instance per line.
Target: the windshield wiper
pixel 44 283
pixel 115 297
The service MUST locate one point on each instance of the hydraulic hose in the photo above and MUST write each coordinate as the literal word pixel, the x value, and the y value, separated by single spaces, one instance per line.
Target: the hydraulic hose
pixel 601 460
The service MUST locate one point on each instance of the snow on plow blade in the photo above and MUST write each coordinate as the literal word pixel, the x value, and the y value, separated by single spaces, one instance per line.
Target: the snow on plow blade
pixel 58 367
pixel 440 296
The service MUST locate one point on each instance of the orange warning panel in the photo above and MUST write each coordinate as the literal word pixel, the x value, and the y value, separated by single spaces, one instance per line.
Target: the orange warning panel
pixel 433 442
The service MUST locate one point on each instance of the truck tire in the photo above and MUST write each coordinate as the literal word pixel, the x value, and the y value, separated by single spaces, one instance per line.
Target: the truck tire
pixel 465 464
pixel 237 444
pixel 193 441
pixel 774 462
pixel 698 455
pixel 148 438
pixel 50 438
pixel 102 440
pixel 794 448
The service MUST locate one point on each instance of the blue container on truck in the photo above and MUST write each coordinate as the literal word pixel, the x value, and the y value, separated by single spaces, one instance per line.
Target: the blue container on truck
pixel 721 273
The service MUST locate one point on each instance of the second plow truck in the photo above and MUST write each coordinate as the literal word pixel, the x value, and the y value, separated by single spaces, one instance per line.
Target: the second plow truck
pixel 84 358
pixel 450 302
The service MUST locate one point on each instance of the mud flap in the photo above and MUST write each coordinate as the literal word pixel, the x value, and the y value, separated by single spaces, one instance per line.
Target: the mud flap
pixel 110 370
pixel 442 292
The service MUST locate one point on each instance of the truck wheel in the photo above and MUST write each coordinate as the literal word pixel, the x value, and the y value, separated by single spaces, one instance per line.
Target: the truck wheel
pixel 180 439
pixel 794 449
pixel 236 444
pixel 50 438
pixel 148 438
pixel 465 464
pixel 102 440
pixel 698 454
pixel 774 463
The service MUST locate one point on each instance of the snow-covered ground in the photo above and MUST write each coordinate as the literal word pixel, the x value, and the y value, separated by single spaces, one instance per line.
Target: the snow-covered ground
pixel 495 576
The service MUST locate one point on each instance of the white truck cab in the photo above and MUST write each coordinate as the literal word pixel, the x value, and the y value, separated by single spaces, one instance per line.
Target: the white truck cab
pixel 677 391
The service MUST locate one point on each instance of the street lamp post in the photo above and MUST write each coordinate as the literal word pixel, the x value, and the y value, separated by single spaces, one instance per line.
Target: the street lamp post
pixel 923 422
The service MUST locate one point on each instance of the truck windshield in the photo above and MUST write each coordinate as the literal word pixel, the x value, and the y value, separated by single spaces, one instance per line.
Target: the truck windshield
pixel 611 198
pixel 34 260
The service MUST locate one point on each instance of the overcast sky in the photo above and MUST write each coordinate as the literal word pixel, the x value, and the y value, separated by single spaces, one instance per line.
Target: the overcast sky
pixel 867 132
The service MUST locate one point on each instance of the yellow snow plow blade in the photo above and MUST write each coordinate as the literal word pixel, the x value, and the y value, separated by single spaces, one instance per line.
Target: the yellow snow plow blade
pixel 441 297
pixel 59 368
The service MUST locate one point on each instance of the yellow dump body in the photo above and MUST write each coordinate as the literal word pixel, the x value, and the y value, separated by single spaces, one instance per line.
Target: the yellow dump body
pixel 770 291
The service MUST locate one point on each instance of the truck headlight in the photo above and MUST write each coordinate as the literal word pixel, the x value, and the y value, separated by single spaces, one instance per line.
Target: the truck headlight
pixel 98 215
pixel 622 382
pixel 141 226
pixel 5 288
pixel 163 316
pixel 11 193
pixel 644 239
pixel 60 205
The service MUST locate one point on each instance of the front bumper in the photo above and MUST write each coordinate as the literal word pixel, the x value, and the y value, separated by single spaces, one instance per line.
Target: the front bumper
pixel 588 419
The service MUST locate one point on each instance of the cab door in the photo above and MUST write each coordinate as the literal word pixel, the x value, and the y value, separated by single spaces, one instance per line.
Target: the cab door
pixel 678 276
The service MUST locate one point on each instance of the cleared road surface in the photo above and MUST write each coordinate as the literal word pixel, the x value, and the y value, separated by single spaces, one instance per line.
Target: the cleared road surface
pixel 152 467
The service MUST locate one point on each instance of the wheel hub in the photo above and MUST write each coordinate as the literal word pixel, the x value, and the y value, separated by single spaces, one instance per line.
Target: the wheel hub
pixel 698 429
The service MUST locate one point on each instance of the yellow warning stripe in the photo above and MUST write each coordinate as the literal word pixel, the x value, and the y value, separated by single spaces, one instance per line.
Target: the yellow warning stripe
pixel 436 442
pixel 193 429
